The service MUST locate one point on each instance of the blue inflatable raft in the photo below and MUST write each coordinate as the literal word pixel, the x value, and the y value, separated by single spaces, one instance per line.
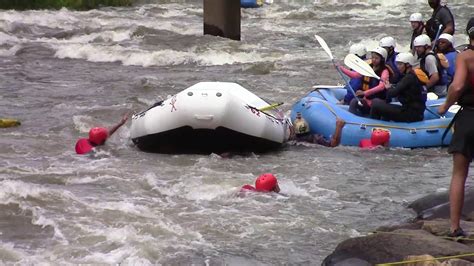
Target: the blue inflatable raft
pixel 320 109
pixel 251 3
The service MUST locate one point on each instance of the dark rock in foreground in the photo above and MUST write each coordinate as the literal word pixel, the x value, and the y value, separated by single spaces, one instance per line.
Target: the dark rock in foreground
pixel 418 240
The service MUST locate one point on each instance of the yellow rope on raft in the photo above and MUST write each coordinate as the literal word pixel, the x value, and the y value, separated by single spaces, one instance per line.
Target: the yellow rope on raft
pixel 9 122
pixel 421 260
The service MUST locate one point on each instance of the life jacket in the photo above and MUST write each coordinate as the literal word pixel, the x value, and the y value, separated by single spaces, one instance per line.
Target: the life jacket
pixel 441 64
pixel 355 84
pixel 432 25
pixel 395 75
pixel 369 82
pixel 451 57
pixel 421 75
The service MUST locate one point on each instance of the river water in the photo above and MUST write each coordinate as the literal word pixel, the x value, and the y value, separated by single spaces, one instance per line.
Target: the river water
pixel 63 72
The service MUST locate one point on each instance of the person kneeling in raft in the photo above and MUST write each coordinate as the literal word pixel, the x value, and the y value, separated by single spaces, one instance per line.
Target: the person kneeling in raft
pixel 97 137
pixel 264 183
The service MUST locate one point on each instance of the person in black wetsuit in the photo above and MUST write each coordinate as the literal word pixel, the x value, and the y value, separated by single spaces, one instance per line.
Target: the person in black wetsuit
pixel 409 92
pixel 441 16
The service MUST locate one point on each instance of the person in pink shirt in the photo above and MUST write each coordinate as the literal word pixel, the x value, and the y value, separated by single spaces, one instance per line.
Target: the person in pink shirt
pixel 370 87
pixel 97 137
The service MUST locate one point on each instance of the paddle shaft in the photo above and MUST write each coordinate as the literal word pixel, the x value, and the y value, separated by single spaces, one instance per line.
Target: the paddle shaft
pixel 435 48
pixel 347 82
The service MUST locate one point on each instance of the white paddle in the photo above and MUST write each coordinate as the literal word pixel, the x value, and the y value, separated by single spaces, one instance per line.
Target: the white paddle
pixel 360 66
pixel 328 51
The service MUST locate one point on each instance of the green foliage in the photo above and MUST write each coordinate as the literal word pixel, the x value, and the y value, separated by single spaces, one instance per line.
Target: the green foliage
pixel 57 4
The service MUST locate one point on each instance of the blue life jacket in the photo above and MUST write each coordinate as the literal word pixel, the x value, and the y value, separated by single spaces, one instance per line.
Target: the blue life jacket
pixel 356 85
pixel 395 76
pixel 451 56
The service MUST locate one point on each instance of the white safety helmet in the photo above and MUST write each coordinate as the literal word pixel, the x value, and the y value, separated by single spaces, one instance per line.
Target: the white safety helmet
pixel 416 17
pixel 387 42
pixel 381 51
pixel 406 58
pixel 358 49
pixel 422 40
pixel 447 37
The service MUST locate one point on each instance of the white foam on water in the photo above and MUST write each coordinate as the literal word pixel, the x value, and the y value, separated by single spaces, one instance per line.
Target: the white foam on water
pixel 82 123
pixel 124 207
pixel 137 57
pixel 63 18
pixel 104 36
pixel 10 254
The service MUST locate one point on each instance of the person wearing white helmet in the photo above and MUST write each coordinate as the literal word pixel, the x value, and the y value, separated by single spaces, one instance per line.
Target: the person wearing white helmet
pixel 461 147
pixel 361 51
pixel 369 88
pixel 389 44
pixel 417 25
pixel 441 16
pixel 446 46
pixel 431 65
pixel 409 91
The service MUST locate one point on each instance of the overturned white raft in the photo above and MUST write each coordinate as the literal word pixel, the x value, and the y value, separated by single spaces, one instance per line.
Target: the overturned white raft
pixel 210 117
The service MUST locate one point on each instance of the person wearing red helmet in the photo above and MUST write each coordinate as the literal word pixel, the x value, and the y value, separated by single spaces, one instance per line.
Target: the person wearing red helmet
pixel 379 137
pixel 264 183
pixel 97 137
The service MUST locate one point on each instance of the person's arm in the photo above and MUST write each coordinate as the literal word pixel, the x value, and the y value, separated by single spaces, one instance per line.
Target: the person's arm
pixel 336 138
pixel 457 86
pixel 446 19
pixel 384 77
pixel 351 74
pixel 449 29
pixel 117 126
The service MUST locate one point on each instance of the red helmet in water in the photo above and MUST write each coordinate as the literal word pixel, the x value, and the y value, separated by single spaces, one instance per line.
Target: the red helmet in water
pixel 83 146
pixel 98 135
pixel 380 136
pixel 267 182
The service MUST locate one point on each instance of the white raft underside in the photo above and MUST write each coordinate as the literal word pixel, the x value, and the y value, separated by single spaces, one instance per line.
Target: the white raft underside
pixel 209 117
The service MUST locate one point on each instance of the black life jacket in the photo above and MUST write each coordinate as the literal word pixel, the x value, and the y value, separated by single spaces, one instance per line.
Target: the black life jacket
pixel 432 25
pixel 443 79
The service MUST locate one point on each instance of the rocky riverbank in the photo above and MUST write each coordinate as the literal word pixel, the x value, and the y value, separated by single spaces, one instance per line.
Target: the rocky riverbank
pixel 423 241
pixel 57 4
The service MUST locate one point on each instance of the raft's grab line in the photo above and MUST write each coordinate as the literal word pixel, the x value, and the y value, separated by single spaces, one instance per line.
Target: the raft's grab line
pixel 363 125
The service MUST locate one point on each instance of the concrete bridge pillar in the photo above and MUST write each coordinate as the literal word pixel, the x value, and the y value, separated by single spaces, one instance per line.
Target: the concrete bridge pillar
pixel 222 18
